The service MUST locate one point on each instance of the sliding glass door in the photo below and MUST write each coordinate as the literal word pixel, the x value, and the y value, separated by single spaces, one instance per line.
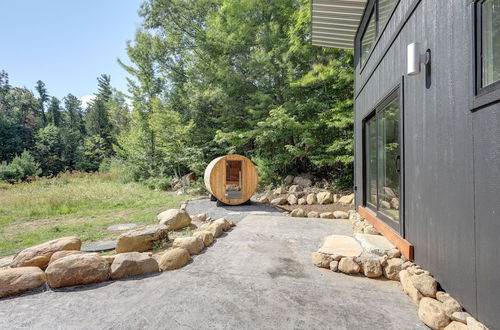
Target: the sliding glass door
pixel 383 161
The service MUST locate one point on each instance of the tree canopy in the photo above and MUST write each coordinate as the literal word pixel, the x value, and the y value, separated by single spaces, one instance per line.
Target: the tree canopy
pixel 207 78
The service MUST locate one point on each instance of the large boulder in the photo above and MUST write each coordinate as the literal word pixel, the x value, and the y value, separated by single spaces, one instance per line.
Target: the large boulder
pixel 425 284
pixel 77 269
pixel 216 228
pixel 141 239
pixel 454 325
pixel 298 213
pixel 226 225
pixel 132 263
pixel 460 317
pixel 264 199
pixel 62 254
pixel 289 179
pixel 340 215
pixel 39 255
pixel 346 199
pixel 371 267
pixel 302 201
pixel 324 197
pixel 349 266
pixel 431 312
pixel 392 269
pixel 174 219
pixel 473 324
pixel 292 199
pixel 313 214
pixel 295 188
pixel 206 236
pixel 327 215
pixel 173 259
pixel 303 180
pixel 451 306
pixel 311 199
pixel 279 201
pixel 409 288
pixel 21 279
pixel 279 191
pixel 321 260
pixel 193 245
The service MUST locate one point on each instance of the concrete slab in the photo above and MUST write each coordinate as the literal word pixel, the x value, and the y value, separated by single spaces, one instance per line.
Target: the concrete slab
pixel 341 245
pixel 257 276
pixel 375 244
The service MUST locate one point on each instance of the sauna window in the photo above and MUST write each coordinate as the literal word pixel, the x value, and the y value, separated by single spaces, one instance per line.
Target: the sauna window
pixel 234 179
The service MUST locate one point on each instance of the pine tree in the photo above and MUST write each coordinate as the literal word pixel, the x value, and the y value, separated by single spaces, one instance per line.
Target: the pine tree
pixel 54 116
pixel 43 98
pixel 97 123
pixel 74 113
pixel 104 90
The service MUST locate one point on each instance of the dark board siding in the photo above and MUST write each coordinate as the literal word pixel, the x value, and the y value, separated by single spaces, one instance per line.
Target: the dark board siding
pixel 487 198
pixel 438 157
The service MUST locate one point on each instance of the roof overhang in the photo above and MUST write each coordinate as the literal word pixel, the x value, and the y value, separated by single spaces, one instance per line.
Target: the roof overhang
pixel 334 23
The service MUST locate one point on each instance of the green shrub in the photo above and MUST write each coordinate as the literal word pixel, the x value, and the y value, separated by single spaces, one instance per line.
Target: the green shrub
pixel 155 183
pixel 20 169
pixel 164 183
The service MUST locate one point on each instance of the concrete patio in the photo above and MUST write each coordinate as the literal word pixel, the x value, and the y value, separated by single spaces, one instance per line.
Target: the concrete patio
pixel 257 276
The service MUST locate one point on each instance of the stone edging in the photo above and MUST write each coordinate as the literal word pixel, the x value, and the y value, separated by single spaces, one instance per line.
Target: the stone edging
pixel 60 263
pixel 437 309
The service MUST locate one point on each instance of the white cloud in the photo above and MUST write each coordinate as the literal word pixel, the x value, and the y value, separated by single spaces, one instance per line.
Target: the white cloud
pixel 87 99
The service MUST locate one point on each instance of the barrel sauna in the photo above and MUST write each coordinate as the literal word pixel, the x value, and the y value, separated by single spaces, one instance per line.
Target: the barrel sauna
pixel 232 179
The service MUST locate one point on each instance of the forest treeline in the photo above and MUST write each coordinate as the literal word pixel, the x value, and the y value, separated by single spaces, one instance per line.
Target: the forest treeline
pixel 42 135
pixel 207 78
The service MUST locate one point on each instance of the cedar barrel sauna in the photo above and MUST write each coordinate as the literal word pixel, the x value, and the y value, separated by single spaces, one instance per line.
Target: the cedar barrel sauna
pixel 231 179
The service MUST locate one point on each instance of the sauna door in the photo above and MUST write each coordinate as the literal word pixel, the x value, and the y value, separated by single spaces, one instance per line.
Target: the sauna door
pixel 234 179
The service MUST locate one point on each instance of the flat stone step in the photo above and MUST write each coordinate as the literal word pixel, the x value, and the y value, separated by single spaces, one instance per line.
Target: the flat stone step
pixel 122 226
pixel 99 246
pixel 341 245
pixel 375 244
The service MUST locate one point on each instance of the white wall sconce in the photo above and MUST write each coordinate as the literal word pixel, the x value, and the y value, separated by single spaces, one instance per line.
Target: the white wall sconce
pixel 414 59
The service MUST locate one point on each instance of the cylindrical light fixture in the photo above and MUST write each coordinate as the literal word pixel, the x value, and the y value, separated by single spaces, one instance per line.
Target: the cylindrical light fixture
pixel 414 59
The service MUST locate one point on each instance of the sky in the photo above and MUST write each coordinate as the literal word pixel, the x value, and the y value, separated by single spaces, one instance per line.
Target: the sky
pixel 66 43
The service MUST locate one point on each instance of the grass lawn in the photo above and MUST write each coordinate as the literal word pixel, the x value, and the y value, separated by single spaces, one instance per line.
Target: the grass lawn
pixel 81 205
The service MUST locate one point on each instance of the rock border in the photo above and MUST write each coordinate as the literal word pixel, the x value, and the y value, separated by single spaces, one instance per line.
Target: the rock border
pixel 437 309
pixel 63 264
pixel 297 195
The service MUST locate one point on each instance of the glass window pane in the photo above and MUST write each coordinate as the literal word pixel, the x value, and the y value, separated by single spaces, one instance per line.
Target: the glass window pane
pixel 368 38
pixel 385 8
pixel 490 26
pixel 388 160
pixel 371 159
